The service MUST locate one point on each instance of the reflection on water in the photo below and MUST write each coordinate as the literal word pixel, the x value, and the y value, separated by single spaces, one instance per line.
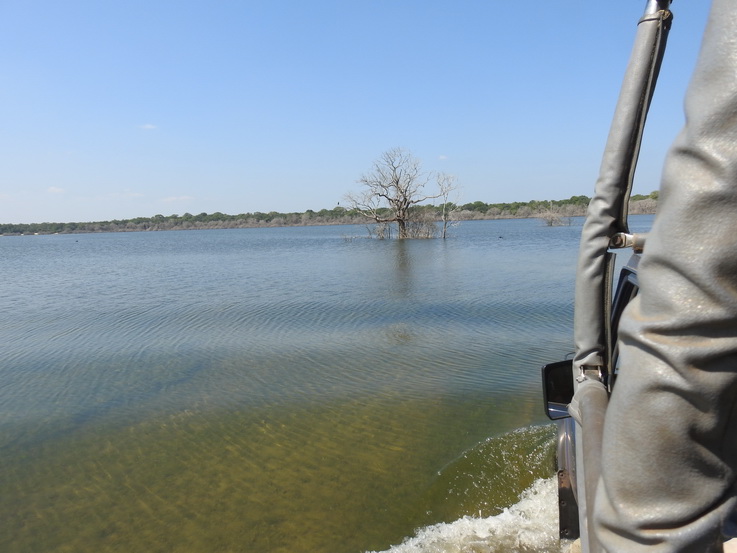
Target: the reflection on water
pixel 270 389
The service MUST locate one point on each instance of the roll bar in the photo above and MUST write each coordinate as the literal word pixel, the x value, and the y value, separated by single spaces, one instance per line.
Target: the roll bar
pixel 607 212
pixel 606 227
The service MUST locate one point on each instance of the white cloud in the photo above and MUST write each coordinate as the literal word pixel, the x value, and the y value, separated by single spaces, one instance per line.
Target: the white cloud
pixel 54 190
pixel 148 127
pixel 442 157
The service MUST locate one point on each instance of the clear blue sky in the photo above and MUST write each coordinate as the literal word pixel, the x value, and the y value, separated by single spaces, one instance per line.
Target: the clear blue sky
pixel 114 110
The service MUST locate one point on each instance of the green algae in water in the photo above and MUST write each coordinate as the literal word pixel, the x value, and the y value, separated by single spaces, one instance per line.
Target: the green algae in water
pixel 342 477
pixel 493 475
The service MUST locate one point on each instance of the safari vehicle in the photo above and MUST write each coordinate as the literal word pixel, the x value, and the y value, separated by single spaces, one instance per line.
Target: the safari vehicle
pixel 558 393
pixel 576 391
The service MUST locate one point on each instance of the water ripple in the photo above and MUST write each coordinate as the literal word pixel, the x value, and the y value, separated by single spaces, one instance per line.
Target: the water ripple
pixel 270 375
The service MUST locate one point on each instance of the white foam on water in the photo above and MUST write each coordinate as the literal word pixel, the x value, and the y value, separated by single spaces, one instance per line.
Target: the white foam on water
pixel 529 526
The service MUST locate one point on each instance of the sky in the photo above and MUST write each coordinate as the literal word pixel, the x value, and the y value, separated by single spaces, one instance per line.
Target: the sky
pixel 115 110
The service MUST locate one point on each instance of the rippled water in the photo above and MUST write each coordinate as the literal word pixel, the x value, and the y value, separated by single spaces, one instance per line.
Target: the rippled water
pixel 296 389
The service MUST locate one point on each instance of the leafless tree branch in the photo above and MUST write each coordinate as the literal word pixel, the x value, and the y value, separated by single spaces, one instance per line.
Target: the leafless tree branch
pixel 395 184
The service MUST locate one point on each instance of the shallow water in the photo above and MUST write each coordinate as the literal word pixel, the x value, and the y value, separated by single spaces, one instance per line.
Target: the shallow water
pixel 298 389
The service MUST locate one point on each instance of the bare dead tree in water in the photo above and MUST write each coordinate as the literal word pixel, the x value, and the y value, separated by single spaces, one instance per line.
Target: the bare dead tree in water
pixel 554 216
pixel 447 184
pixel 394 186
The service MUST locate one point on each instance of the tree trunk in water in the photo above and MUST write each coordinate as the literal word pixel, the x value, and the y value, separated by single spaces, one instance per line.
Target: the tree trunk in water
pixel 402 224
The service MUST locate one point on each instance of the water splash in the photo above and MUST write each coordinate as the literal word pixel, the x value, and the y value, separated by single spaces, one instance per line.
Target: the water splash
pixel 492 475
pixel 529 526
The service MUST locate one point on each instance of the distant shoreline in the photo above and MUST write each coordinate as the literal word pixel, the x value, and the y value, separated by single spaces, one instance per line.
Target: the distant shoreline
pixel 476 211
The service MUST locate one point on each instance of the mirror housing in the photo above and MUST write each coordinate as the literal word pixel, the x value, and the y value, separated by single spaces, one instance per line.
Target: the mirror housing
pixel 557 388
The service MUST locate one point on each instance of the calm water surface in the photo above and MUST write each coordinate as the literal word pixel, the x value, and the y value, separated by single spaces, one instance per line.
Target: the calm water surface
pixel 273 390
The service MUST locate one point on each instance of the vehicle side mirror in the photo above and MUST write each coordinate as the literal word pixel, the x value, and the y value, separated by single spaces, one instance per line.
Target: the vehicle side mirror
pixel 557 388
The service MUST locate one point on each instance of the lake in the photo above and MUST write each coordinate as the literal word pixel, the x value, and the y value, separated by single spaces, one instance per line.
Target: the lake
pixel 301 389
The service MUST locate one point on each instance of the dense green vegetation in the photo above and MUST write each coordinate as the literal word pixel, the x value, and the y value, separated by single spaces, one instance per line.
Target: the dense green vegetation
pixel 572 207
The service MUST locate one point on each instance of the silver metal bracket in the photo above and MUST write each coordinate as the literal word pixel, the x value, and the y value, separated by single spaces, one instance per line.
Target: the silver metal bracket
pixel 624 240
pixel 655 6
pixel 590 373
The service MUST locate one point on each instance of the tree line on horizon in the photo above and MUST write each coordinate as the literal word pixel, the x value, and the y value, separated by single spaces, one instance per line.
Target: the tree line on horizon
pixel 574 206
